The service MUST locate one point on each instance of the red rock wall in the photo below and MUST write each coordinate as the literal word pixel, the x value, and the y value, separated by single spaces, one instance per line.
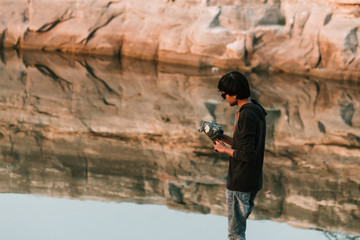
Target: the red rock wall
pixel 307 37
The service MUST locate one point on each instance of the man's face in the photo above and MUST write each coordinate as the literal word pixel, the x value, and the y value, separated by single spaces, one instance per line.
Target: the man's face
pixel 231 99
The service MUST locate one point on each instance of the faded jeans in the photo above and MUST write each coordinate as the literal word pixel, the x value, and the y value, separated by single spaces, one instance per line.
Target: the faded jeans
pixel 240 205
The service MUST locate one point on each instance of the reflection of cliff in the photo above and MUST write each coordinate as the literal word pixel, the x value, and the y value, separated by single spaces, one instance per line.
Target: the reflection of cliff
pixel 126 131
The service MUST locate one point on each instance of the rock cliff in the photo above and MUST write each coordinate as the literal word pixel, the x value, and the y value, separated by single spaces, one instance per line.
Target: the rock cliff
pixel 309 37
pixel 110 130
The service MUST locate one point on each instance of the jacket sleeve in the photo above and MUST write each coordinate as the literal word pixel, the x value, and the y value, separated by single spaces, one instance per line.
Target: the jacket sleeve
pixel 245 149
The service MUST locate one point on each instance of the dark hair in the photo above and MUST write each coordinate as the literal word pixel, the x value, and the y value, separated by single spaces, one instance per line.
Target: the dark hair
pixel 235 83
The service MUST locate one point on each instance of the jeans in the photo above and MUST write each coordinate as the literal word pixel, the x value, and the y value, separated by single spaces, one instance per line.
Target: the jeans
pixel 240 205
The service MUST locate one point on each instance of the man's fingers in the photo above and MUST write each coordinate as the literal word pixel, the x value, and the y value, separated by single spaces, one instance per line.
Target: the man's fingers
pixel 218 142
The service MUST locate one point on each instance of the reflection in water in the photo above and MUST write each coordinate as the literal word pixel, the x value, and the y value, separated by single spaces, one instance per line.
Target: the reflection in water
pixel 87 220
pixel 109 130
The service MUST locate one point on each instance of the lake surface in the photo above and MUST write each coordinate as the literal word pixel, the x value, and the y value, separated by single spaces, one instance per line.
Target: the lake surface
pixel 43 218
pixel 96 147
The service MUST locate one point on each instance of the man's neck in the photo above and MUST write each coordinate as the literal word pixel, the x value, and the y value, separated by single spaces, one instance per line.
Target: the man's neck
pixel 241 102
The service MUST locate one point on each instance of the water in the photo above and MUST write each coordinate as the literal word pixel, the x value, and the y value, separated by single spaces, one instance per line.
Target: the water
pixel 120 135
pixel 43 218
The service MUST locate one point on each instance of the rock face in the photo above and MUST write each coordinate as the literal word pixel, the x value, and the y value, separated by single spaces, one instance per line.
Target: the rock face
pixel 100 128
pixel 309 37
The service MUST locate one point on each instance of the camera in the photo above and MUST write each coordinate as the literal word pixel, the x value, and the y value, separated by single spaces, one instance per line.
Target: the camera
pixel 213 130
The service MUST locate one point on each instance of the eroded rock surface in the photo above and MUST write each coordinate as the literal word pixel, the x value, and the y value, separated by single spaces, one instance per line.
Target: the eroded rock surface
pixel 126 130
pixel 309 37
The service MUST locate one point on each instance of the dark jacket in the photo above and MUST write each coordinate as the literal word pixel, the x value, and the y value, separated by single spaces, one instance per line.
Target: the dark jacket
pixel 245 168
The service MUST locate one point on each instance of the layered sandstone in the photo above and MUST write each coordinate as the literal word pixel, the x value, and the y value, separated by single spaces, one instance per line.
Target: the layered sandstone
pixel 309 37
pixel 125 130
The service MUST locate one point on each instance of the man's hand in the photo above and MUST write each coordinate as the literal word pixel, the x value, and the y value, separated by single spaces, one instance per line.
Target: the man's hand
pixel 220 146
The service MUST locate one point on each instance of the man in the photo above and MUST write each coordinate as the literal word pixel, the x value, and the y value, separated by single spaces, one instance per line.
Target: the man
pixel 246 152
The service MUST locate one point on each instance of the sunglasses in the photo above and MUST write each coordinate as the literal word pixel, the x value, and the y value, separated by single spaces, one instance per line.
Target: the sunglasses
pixel 223 95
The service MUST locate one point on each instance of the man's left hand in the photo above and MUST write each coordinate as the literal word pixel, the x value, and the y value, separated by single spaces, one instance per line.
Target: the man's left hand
pixel 220 146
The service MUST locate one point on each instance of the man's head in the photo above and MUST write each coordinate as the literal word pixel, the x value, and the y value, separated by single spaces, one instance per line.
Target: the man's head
pixel 234 84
